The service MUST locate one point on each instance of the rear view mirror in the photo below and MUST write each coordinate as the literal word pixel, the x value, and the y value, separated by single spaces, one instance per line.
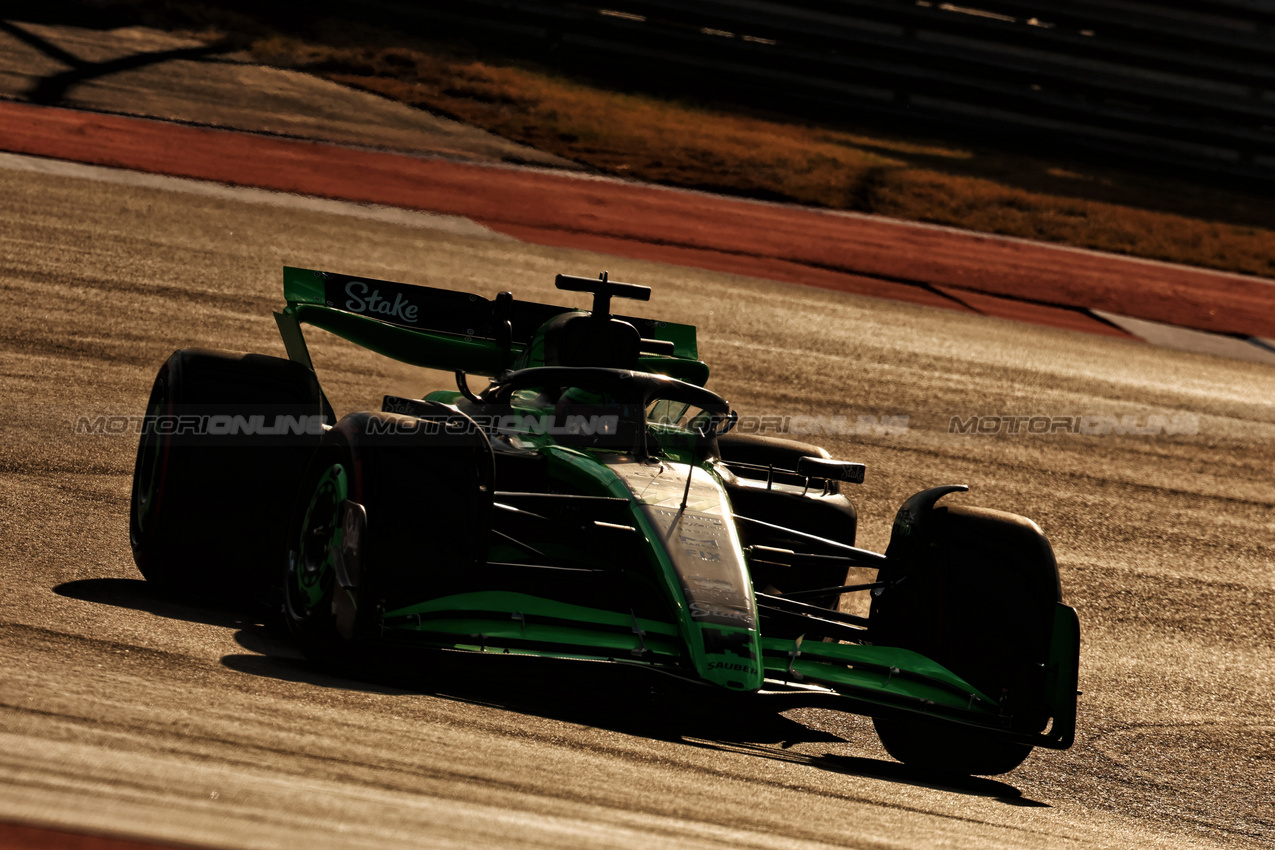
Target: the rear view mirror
pixel 831 470
pixel 716 424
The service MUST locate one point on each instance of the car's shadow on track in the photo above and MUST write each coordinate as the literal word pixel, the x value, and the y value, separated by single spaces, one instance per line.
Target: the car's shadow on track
pixel 603 696
pixel 140 595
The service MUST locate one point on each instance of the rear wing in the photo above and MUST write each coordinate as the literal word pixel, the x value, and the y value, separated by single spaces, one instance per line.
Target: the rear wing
pixel 444 329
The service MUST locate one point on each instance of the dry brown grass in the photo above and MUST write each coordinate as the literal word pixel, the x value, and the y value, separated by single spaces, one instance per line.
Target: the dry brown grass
pixel 690 145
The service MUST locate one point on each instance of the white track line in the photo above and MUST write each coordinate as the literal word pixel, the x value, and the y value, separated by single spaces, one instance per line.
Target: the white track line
pixel 451 224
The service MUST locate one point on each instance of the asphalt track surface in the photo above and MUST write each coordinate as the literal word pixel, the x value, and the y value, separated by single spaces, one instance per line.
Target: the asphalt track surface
pixel 128 715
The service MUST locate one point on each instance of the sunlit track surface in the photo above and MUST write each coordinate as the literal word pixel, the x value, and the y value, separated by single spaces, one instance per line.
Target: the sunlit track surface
pixel 129 714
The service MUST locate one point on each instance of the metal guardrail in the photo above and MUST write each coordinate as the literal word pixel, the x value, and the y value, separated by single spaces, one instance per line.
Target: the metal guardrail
pixel 1184 83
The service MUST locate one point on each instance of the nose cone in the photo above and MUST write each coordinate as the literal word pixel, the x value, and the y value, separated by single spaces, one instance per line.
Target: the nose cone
pixel 704 567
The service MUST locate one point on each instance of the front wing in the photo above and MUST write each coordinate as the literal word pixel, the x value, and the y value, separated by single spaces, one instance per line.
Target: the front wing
pixel 872 680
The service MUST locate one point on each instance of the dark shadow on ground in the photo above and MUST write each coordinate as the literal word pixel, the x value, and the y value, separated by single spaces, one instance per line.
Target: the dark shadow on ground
pixel 52 90
pixel 892 771
pixel 618 698
pixel 140 595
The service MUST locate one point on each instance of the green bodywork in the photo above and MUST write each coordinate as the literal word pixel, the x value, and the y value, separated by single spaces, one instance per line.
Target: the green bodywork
pixel 724 648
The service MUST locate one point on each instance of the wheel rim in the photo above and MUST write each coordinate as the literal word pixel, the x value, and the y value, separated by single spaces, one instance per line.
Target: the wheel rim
pixel 312 555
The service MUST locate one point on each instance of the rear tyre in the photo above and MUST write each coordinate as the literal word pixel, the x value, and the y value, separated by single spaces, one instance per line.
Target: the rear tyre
pixel 828 516
pixel 391 512
pixel 210 489
pixel 979 599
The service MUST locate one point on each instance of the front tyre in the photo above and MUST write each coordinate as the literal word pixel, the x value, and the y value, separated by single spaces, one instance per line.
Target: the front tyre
pixel 945 748
pixel 977 591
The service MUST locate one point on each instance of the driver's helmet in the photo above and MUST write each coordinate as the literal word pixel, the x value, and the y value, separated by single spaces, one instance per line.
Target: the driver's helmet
pixel 597 419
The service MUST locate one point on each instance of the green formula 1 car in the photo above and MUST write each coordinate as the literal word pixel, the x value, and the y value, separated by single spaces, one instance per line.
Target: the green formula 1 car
pixel 591 502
